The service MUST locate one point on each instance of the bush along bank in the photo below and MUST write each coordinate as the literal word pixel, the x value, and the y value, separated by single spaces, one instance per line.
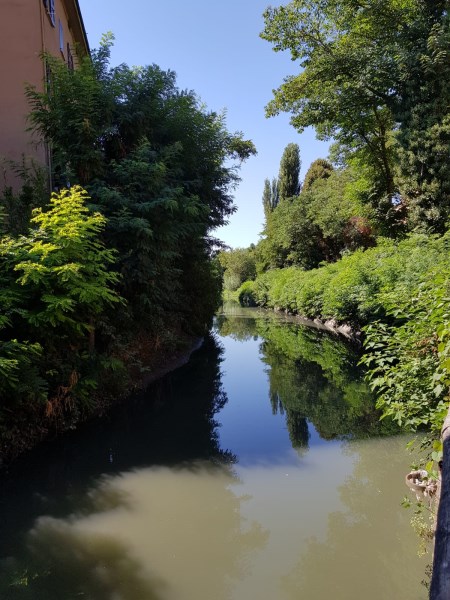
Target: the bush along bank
pixel 63 355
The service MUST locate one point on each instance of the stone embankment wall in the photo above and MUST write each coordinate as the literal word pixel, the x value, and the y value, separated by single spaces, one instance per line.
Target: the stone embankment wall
pixel 440 582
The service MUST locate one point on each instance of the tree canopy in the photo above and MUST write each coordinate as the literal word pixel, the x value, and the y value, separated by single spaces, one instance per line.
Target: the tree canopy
pixel 373 77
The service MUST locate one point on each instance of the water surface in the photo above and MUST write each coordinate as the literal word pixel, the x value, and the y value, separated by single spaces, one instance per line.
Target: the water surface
pixel 259 470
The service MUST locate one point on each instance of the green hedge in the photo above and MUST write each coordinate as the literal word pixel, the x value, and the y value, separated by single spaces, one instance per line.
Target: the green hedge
pixel 353 289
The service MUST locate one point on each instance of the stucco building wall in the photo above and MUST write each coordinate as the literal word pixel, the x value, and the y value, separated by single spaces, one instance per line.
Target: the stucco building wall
pixel 26 30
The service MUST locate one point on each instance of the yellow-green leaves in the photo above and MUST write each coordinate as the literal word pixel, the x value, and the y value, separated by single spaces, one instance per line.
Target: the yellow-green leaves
pixel 64 266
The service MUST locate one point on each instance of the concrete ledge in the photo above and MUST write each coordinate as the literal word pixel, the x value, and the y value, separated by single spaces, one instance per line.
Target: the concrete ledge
pixel 440 581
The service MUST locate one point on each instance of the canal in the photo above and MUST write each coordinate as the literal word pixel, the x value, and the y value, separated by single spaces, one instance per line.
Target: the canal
pixel 258 470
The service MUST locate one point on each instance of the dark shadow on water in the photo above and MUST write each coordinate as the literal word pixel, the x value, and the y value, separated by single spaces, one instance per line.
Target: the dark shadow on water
pixel 170 424
pixel 65 567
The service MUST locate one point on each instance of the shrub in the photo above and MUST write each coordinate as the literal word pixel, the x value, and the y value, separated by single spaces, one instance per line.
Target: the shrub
pixel 408 360
pixel 247 294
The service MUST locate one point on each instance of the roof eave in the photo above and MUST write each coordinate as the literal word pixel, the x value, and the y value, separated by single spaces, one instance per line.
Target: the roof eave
pixel 79 17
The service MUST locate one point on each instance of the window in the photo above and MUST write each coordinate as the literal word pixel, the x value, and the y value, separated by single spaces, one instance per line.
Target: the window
pixel 61 37
pixel 49 6
pixel 51 11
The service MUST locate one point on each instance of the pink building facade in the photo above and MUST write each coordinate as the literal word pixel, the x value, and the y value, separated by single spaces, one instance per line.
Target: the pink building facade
pixel 27 29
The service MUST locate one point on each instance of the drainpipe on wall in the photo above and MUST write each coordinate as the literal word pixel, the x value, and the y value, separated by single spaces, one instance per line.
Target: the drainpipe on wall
pixel 48 154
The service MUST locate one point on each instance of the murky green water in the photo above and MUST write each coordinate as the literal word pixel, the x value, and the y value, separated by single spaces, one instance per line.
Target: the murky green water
pixel 259 470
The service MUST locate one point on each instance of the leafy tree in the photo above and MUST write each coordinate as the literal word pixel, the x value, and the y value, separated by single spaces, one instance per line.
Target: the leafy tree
pixel 273 249
pixel 289 174
pixel 423 111
pixel 73 114
pixel 319 169
pixel 325 220
pixel 267 198
pixel 270 196
pixel 275 192
pixel 342 219
pixel 291 238
pixel 57 282
pixel 153 160
pixel 374 79
pixel 343 88
pixel 239 265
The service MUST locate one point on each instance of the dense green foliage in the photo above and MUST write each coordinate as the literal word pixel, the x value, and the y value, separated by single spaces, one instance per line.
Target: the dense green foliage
pixel 408 359
pixel 324 221
pixel 270 197
pixel 319 169
pixel 152 160
pixel 359 287
pixel 238 265
pixel 56 283
pixel 375 79
pixel 289 175
pixel 159 171
pixel 246 294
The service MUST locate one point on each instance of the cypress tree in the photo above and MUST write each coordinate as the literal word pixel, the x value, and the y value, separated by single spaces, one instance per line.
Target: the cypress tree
pixel 289 174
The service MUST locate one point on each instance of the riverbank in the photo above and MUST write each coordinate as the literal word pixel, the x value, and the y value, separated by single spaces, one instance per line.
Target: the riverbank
pixel 346 330
pixel 28 430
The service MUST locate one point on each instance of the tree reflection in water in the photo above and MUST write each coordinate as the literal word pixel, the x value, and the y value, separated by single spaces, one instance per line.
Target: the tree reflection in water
pixel 313 377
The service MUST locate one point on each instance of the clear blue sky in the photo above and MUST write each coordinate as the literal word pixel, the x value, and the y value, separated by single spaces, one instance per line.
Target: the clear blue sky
pixel 215 49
